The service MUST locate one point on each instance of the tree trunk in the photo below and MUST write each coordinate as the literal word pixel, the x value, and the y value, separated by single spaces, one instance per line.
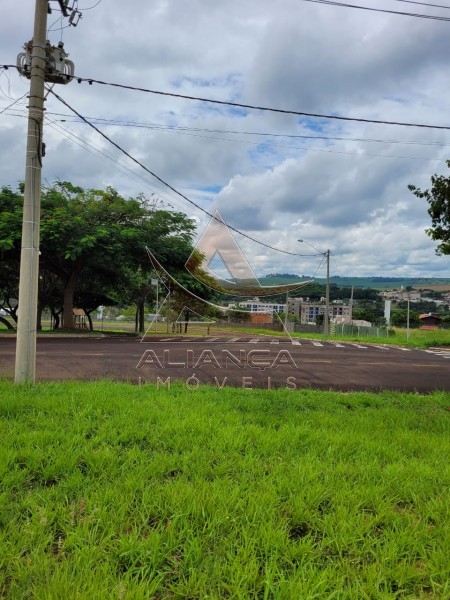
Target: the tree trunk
pixel 141 316
pixel 91 325
pixel 40 308
pixel 56 319
pixel 69 288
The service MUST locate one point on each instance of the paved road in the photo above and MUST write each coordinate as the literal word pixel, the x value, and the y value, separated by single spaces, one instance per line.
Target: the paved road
pixel 243 361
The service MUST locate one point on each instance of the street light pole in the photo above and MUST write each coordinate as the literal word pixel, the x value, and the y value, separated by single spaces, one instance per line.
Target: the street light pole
pixel 326 320
pixel 407 321
pixel 326 316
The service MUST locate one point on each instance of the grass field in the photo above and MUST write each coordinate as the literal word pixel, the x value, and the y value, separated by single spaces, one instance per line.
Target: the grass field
pixel 124 492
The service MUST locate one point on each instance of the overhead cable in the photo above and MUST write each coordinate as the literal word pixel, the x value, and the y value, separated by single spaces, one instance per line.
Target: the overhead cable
pixel 253 107
pixel 423 4
pixel 116 145
pixel 161 126
pixel 261 108
pixel 381 10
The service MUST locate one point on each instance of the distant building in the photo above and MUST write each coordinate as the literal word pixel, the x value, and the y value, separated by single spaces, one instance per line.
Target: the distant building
pixel 256 306
pixel 430 321
pixel 401 296
pixel 307 312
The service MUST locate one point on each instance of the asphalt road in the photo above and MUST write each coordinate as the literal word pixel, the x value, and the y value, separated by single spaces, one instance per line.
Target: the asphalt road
pixel 243 361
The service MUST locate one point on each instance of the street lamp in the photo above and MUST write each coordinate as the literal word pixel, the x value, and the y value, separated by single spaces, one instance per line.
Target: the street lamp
pixel 407 313
pixel 326 316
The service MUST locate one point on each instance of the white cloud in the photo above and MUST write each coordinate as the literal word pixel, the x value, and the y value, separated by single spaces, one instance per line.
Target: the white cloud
pixel 349 195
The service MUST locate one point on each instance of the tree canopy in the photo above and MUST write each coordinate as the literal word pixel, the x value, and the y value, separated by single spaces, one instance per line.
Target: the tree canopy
pixel 438 198
pixel 93 247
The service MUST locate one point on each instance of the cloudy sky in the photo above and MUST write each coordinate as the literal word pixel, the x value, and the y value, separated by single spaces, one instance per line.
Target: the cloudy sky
pixel 336 184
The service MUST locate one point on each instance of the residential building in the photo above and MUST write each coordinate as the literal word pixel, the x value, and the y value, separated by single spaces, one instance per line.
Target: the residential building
pixel 401 296
pixel 430 321
pixel 307 312
pixel 256 306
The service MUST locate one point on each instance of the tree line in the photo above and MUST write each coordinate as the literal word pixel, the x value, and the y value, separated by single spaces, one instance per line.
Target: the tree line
pixel 93 251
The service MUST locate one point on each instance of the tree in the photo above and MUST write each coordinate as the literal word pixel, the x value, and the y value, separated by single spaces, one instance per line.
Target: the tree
pixel 93 243
pixel 364 314
pixel 10 235
pixel 399 317
pixel 438 198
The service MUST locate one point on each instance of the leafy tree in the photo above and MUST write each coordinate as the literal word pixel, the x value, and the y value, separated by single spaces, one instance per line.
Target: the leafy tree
pixel 10 236
pixel 438 198
pixel 363 314
pixel 399 318
pixel 91 241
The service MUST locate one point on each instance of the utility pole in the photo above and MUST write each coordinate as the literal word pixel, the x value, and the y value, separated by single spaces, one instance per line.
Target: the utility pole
pixel 41 63
pixel 29 258
pixel 326 318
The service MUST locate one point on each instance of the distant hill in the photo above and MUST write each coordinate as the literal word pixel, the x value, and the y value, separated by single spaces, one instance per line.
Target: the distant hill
pixel 378 283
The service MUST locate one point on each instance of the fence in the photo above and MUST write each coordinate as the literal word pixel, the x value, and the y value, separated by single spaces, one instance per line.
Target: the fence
pixel 358 330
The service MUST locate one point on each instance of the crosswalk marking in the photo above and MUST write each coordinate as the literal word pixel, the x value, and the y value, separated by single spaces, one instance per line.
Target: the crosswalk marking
pixel 442 352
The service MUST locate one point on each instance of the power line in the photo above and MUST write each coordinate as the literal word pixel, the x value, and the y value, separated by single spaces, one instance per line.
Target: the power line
pixel 262 108
pixel 160 126
pixel 169 198
pixel 91 7
pixel 12 104
pixel 253 107
pixel 176 128
pixel 381 10
pixel 166 183
pixel 423 4
pixel 186 131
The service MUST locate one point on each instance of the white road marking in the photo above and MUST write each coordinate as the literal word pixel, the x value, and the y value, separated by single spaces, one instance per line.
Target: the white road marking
pixel 317 344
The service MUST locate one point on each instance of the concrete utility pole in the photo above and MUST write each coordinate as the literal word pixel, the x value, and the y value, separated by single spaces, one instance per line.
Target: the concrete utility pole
pixel 29 259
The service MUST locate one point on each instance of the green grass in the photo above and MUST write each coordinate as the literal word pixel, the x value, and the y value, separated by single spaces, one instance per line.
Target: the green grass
pixel 117 491
pixel 417 338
